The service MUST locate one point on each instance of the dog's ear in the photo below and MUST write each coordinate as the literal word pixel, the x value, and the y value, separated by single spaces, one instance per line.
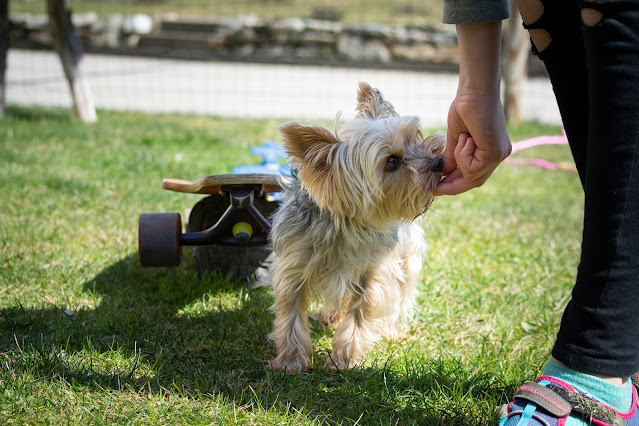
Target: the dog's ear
pixel 307 144
pixel 371 104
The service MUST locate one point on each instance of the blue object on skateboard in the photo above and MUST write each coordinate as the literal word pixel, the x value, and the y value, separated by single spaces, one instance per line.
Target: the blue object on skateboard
pixel 271 152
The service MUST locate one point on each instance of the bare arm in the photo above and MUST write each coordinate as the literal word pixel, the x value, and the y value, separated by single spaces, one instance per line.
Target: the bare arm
pixel 477 139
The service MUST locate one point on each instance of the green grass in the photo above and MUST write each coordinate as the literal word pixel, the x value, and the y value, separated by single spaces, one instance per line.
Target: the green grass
pixel 88 337
pixel 395 12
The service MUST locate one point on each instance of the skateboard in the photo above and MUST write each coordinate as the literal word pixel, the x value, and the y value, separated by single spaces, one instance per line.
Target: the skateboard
pixel 228 228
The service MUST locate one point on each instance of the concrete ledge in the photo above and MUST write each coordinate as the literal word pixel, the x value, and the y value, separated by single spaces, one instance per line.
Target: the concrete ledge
pixel 247 38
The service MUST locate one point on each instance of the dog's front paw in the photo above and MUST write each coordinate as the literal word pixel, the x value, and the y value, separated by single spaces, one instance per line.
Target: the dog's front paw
pixel 289 366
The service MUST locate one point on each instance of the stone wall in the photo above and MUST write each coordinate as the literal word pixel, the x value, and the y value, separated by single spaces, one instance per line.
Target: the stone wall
pixel 250 38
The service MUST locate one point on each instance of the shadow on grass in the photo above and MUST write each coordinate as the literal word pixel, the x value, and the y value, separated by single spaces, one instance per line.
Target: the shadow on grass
pixel 39 114
pixel 165 329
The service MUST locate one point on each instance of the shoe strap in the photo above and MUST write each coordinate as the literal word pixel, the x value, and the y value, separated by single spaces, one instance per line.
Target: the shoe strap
pixel 544 398
pixel 560 402
pixel 588 407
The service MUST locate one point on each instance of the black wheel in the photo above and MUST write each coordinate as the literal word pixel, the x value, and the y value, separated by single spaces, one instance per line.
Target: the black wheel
pixel 242 263
pixel 159 239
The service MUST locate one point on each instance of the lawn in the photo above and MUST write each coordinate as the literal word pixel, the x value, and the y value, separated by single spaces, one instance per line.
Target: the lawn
pixel 89 337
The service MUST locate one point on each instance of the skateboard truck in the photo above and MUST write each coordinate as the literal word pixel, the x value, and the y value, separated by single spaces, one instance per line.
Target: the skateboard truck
pixel 160 236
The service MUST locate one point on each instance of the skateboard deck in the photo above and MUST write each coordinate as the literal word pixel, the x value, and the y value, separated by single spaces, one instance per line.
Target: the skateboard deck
pixel 213 184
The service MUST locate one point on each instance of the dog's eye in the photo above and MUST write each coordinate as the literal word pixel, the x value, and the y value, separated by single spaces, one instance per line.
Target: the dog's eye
pixel 393 162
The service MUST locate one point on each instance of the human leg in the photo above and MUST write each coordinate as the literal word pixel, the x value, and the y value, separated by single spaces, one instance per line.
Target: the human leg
pixel 601 107
pixel 599 332
pixel 557 40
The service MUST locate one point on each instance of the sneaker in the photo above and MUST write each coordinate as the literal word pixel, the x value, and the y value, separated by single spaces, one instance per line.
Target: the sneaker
pixel 549 401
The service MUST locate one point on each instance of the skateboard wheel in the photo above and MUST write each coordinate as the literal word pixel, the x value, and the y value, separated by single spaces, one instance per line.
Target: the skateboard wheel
pixel 159 239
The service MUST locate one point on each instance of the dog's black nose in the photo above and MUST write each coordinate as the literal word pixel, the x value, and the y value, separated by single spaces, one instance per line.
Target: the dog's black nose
pixel 436 165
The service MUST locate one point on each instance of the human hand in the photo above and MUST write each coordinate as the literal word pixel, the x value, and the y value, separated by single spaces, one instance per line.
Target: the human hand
pixel 476 141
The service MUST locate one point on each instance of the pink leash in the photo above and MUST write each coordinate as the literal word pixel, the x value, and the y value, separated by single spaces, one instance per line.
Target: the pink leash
pixel 538 162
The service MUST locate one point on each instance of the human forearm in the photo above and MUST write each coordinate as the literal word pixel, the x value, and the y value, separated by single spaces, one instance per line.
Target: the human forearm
pixel 479 49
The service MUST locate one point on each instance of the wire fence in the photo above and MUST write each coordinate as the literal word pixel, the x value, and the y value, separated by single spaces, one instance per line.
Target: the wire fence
pixel 276 58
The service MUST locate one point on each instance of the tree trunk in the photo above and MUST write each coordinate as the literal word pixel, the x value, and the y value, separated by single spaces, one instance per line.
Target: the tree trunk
pixel 517 44
pixel 4 47
pixel 69 47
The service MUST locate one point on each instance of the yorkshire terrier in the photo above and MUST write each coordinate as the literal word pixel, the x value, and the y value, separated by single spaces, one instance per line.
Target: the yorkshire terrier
pixel 348 232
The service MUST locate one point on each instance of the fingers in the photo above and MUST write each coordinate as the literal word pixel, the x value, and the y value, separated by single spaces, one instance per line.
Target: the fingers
pixel 465 160
pixel 448 159
pixel 455 183
pixel 474 161
pixel 471 172
pixel 458 153
pixel 466 157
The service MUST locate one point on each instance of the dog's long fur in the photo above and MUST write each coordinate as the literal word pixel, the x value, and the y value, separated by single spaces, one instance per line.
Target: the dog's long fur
pixel 346 232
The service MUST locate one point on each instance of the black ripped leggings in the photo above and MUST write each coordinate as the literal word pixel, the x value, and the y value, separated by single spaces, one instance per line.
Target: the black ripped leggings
pixel 594 71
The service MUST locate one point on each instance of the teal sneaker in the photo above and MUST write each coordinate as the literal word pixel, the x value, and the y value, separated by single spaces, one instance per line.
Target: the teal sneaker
pixel 549 401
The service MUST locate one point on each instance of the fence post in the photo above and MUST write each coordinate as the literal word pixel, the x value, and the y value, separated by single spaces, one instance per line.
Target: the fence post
pixel 4 46
pixel 69 47
pixel 517 44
